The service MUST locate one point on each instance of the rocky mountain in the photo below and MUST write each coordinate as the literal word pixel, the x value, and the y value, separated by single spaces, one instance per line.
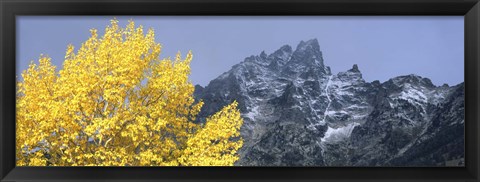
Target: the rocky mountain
pixel 298 113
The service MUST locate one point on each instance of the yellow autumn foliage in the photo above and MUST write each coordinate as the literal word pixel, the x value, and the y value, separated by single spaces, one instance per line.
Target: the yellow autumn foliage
pixel 115 103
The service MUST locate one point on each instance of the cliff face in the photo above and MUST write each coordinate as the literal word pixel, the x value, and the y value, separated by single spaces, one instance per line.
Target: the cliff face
pixel 297 113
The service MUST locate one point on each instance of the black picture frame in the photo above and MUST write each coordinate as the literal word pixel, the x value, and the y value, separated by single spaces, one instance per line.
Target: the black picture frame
pixel 9 9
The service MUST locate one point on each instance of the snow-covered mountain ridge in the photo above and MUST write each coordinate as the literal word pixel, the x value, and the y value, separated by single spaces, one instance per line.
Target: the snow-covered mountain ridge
pixel 298 113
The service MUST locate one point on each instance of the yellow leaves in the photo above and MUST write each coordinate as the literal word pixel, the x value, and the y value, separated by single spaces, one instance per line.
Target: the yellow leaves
pixel 217 142
pixel 37 159
pixel 115 103
pixel 93 33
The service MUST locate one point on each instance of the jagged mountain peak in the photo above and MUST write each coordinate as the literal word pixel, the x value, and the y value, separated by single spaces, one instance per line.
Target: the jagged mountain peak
pixel 263 55
pixel 306 55
pixel 352 74
pixel 308 51
pixel 286 48
pixel 354 68
pixel 297 113
pixel 309 44
pixel 288 62
pixel 412 79
pixel 281 56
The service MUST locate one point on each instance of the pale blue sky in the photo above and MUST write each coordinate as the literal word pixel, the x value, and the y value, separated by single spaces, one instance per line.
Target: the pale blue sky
pixel 382 46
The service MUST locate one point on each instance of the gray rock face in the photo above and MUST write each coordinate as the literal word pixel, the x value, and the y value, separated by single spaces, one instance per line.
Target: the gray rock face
pixel 297 113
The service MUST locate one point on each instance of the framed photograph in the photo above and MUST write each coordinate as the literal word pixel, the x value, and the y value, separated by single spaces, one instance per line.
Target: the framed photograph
pixel 239 90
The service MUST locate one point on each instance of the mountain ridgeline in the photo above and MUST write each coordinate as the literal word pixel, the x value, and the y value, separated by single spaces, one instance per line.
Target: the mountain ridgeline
pixel 298 113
